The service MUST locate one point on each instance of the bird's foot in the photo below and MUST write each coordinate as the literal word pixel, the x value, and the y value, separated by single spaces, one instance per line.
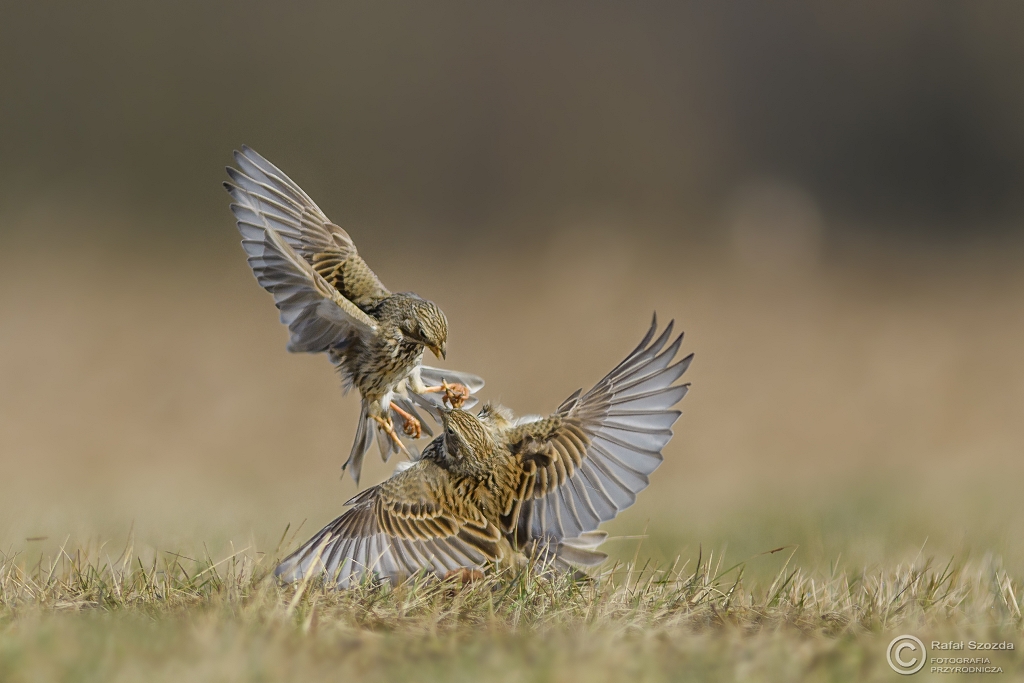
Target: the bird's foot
pixel 412 427
pixel 389 428
pixel 464 575
pixel 454 394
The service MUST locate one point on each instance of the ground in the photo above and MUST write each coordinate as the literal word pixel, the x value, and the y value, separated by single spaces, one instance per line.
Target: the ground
pixel 117 619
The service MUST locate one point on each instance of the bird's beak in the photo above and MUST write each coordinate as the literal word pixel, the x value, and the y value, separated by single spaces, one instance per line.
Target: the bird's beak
pixel 439 351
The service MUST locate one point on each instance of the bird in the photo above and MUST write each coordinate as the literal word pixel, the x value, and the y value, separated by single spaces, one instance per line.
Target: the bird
pixel 493 491
pixel 333 303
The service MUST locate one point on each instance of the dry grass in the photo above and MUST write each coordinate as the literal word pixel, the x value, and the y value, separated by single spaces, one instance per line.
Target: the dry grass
pixel 228 620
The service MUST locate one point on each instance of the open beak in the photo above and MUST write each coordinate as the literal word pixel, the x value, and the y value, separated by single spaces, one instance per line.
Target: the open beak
pixel 438 351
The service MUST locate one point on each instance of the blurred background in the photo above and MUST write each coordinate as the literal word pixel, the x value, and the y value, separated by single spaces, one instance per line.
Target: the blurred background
pixel 828 199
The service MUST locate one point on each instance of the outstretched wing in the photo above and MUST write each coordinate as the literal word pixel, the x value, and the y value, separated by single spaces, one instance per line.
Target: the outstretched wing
pixel 395 530
pixel 590 459
pixel 317 315
pixel 268 199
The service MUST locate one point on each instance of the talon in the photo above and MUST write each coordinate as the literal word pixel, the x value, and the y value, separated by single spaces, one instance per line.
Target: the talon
pixel 412 427
pixel 455 394
pixel 389 428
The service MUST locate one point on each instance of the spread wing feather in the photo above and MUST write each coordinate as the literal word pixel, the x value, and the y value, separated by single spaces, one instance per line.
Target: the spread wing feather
pixel 589 460
pixel 434 377
pixel 267 200
pixel 395 530
pixel 317 315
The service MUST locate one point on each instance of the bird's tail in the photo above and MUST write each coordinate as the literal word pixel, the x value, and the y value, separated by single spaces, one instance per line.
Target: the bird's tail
pixel 568 554
pixel 365 431
pixel 362 443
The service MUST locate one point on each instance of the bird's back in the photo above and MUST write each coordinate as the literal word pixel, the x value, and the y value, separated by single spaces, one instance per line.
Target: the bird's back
pixel 352 277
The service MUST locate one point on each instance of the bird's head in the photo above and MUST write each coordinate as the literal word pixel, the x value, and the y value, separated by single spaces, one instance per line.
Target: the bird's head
pixel 466 441
pixel 425 324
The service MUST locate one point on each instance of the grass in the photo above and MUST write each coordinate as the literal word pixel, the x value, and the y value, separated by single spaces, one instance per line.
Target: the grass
pixel 87 615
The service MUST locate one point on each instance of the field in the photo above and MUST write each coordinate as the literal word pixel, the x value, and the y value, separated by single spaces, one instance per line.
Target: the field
pixel 846 469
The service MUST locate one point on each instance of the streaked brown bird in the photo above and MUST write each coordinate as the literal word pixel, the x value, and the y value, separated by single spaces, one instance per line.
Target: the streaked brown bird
pixel 333 303
pixel 493 491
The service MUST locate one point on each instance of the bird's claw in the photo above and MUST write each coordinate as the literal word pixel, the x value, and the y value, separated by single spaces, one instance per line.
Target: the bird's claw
pixel 389 428
pixel 412 427
pixel 455 394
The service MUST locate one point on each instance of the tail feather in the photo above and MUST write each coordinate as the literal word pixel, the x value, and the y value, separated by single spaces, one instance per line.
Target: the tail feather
pixel 569 554
pixel 384 443
pixel 577 557
pixel 588 540
pixel 362 443
pixel 366 430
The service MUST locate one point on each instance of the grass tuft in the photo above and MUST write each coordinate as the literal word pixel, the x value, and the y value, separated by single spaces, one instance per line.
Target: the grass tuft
pixel 86 614
pixel 624 596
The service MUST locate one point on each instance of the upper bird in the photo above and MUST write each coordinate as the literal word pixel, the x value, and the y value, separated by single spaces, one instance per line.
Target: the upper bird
pixel 492 490
pixel 332 302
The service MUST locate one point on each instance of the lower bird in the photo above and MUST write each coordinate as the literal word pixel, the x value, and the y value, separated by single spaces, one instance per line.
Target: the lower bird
pixel 493 491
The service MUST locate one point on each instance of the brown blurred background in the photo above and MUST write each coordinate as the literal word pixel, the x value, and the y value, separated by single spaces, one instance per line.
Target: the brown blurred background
pixel 827 198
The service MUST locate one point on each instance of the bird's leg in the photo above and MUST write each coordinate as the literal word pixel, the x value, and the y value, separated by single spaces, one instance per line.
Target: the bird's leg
pixel 412 427
pixel 389 428
pixel 464 575
pixel 454 394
